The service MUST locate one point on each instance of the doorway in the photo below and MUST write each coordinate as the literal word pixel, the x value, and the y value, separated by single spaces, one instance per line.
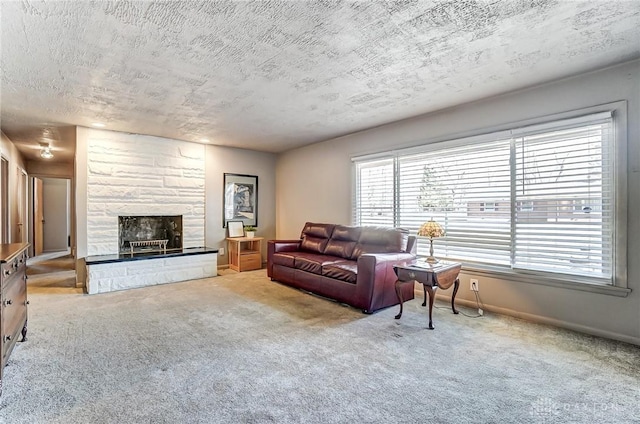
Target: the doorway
pixel 51 215
pixel 52 268
pixel 56 210
pixel 4 200
pixel 38 217
pixel 21 222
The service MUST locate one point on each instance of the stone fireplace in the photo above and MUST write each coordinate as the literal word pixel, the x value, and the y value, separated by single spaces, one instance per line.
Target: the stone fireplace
pixel 145 234
pixel 145 193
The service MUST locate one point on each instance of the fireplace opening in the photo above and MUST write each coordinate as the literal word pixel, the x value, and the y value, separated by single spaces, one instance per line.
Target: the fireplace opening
pixel 149 234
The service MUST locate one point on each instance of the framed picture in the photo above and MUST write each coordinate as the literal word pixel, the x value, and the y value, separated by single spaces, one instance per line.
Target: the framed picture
pixel 235 228
pixel 240 201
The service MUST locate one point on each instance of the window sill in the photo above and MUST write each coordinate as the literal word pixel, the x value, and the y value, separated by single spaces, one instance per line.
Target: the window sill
pixel 531 278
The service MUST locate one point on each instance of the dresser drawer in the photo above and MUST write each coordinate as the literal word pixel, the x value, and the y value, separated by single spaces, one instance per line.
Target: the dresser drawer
pixel 14 305
pixel 13 278
pixel 14 313
pixel 13 267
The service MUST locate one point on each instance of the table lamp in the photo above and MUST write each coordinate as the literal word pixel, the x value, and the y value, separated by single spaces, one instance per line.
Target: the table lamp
pixel 432 230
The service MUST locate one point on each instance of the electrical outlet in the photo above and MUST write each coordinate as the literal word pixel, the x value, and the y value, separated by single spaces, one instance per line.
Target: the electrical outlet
pixel 474 285
pixel 221 251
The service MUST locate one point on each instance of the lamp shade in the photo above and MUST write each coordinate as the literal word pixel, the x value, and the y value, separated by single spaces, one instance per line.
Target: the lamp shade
pixel 431 229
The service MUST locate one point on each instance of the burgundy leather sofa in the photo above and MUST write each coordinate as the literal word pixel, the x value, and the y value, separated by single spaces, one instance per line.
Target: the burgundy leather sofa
pixel 352 265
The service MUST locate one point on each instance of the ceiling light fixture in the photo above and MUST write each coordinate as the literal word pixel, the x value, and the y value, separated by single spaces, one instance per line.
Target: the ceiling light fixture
pixel 45 152
pixel 98 125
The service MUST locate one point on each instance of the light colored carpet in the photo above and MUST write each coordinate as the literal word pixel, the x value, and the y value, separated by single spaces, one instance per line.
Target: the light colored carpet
pixel 50 263
pixel 51 272
pixel 240 349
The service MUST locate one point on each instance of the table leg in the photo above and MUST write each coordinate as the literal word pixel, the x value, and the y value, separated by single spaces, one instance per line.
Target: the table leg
pixel 399 294
pixel 456 284
pixel 24 332
pixel 431 296
pixel 424 288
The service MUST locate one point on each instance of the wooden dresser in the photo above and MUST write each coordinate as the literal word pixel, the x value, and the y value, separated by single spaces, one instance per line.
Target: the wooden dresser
pixel 13 298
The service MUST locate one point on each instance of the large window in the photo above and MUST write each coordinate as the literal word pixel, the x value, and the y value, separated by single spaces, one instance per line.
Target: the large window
pixel 537 199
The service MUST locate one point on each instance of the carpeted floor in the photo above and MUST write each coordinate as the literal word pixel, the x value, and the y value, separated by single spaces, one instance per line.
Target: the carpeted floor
pixel 50 263
pixel 240 349
pixel 51 272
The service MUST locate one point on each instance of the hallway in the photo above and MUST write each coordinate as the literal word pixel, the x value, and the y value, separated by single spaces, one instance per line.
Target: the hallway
pixel 52 273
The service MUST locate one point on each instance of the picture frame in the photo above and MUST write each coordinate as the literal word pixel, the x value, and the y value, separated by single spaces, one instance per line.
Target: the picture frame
pixel 235 228
pixel 240 199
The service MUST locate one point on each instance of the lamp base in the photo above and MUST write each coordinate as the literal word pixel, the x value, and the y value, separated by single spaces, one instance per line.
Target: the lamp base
pixel 431 259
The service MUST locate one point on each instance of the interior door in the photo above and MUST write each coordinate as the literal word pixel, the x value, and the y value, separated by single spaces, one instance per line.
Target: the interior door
pixel 38 217
pixel 55 206
pixel 21 217
pixel 4 200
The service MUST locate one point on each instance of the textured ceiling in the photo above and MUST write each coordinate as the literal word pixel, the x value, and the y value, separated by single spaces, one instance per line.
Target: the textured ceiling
pixel 273 75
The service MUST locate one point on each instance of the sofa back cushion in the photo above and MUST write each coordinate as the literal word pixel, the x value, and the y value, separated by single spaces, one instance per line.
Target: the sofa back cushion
pixel 381 240
pixel 343 241
pixel 315 237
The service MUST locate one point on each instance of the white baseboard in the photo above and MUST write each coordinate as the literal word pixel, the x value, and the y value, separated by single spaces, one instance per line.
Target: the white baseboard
pixel 539 319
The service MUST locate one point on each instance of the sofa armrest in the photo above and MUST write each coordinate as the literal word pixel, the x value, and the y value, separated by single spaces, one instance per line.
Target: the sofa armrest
pixel 275 246
pixel 412 245
pixel 283 245
pixel 376 277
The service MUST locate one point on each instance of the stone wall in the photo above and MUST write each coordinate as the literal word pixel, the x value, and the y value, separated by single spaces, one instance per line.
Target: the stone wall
pixel 104 278
pixel 130 174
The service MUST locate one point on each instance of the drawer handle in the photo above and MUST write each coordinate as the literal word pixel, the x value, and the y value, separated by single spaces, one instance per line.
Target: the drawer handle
pixel 7 339
pixel 8 302
pixel 7 272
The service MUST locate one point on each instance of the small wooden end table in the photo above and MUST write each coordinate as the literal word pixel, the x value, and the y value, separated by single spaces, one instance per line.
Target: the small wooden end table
pixel 443 274
pixel 245 254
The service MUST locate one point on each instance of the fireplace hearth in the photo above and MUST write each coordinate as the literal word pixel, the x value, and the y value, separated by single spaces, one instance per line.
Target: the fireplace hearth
pixel 146 234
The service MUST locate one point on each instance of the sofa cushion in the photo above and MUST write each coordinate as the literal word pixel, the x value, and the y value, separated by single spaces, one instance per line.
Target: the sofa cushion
pixel 344 271
pixel 315 237
pixel 284 258
pixel 343 241
pixel 381 240
pixel 312 262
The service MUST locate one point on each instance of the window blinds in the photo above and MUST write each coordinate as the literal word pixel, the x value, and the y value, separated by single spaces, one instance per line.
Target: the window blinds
pixel 564 199
pixel 375 193
pixel 539 198
pixel 454 187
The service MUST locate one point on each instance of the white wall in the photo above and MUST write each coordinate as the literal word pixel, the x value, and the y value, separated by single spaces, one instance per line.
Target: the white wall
pixel 130 174
pixel 80 201
pixel 102 193
pixel 108 277
pixel 55 206
pixel 314 184
pixel 221 160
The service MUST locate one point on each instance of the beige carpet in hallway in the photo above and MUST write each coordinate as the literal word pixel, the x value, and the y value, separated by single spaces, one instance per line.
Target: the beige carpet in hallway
pixel 52 272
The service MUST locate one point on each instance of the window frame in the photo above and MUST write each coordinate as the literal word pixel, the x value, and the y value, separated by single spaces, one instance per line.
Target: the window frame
pixel 619 283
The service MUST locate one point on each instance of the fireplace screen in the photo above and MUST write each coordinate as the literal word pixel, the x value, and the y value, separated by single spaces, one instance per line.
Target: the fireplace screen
pixel 145 234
